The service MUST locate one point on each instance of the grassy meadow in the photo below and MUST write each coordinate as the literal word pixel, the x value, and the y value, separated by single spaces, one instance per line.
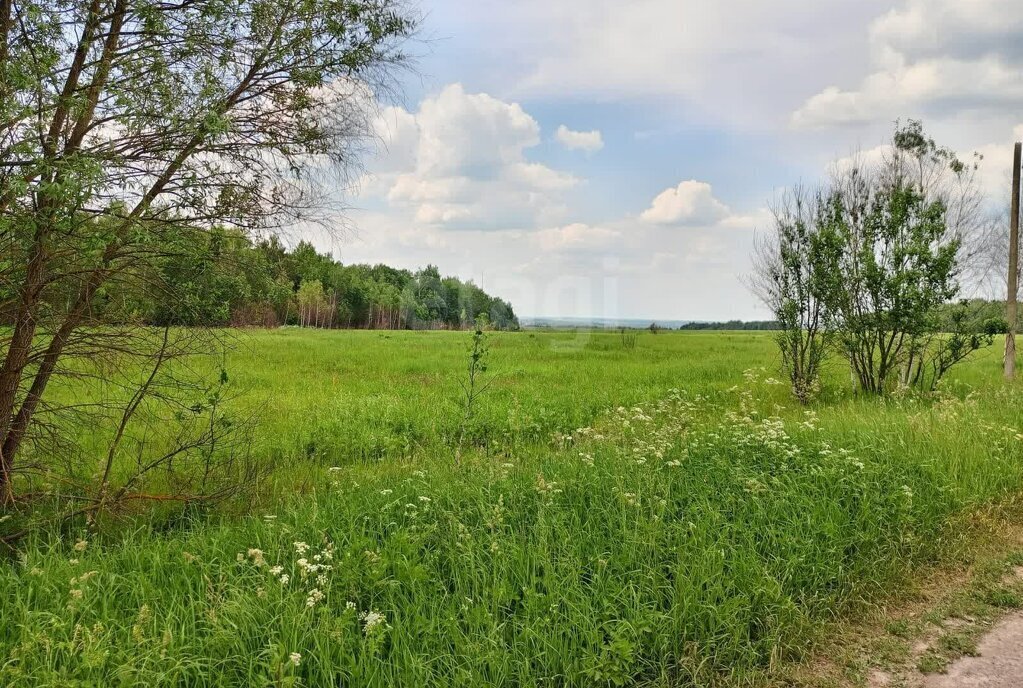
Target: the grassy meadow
pixel 664 515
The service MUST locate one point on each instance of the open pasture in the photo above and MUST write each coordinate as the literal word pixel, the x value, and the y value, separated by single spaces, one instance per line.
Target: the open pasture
pixel 663 515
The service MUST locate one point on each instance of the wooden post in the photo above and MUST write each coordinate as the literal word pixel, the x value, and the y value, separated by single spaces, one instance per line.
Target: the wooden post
pixel 1010 301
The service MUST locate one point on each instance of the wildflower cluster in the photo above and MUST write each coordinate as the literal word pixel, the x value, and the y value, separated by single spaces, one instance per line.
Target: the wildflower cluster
pixel 77 585
pixel 373 623
pixel 311 568
pixel 645 433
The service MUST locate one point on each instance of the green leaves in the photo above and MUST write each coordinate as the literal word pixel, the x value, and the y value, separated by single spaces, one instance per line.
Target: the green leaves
pixel 874 258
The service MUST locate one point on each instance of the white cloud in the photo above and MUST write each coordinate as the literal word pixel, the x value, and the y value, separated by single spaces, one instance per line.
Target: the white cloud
pixel 577 236
pixel 589 141
pixel 735 60
pixel 994 172
pixel 994 167
pixel 399 135
pixel 460 161
pixel 931 57
pixel 690 203
pixel 670 71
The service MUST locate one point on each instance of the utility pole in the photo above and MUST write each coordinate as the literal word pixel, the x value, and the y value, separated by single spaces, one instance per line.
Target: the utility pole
pixel 1010 300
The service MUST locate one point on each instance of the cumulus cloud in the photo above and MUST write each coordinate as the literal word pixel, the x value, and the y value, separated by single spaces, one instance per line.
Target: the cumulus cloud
pixel 589 141
pixel 657 50
pixel 994 164
pixel 669 70
pixel 691 203
pixel 576 236
pixel 460 161
pixel 933 57
pixel 994 172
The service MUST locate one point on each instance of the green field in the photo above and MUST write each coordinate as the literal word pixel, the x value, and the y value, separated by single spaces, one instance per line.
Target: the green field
pixel 664 516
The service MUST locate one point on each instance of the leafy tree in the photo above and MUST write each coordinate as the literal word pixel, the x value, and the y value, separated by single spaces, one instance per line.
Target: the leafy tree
pixel 311 303
pixel 792 279
pixel 125 121
pixel 891 273
pixel 871 262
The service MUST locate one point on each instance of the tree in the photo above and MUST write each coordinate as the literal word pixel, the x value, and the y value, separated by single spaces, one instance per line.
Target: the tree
pixel 897 267
pixel 871 261
pixel 790 277
pixel 312 304
pixel 123 120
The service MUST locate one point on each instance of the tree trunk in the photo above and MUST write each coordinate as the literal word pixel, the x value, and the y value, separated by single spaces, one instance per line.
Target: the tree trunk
pixel 15 426
pixel 18 353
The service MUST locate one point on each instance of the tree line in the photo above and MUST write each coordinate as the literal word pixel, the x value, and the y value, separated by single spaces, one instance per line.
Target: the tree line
pixel 733 325
pixel 221 278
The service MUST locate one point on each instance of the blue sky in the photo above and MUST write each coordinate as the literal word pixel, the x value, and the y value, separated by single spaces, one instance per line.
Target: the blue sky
pixel 680 121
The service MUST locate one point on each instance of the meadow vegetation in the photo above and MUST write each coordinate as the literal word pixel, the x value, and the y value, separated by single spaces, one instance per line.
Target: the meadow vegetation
pixel 660 514
pixel 182 505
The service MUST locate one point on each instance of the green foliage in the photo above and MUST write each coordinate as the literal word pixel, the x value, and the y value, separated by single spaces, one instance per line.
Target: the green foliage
pixel 732 325
pixel 219 278
pixel 688 538
pixel 892 268
pixel 476 382
pixel 130 132
pixel 629 338
pixel 871 263
pixel 795 276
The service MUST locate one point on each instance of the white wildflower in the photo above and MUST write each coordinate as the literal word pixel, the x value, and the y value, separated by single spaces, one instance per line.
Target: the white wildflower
pixel 371 621
pixel 314 597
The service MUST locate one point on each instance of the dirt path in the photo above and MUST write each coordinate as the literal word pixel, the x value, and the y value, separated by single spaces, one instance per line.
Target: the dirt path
pixel 998 664
pixel 957 626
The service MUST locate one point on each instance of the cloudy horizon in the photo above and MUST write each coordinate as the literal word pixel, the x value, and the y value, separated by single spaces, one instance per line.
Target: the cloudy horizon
pixel 587 158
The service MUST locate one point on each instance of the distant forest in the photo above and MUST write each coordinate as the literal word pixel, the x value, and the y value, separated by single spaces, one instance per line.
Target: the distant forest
pixel 732 325
pixel 229 281
pixel 980 310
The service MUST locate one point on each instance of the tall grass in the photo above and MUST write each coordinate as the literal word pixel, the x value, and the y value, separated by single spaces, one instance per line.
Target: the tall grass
pixel 643 517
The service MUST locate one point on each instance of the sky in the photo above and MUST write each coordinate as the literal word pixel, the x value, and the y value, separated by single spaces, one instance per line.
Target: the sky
pixel 600 158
